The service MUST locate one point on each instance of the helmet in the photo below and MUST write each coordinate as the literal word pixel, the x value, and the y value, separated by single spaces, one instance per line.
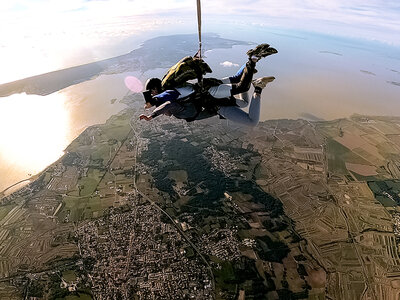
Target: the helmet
pixel 153 83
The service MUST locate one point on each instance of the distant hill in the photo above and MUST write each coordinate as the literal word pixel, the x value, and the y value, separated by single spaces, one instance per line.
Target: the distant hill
pixel 159 52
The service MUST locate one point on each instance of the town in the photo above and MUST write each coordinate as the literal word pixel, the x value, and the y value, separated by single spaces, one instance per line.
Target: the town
pixel 176 210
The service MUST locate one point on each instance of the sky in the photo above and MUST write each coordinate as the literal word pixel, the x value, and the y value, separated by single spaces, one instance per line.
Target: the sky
pixel 39 36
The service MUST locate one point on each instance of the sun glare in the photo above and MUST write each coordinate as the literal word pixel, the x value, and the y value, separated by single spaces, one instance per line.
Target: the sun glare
pixel 35 134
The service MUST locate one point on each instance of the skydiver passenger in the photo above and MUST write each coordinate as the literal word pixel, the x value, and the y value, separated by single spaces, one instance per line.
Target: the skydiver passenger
pixel 183 102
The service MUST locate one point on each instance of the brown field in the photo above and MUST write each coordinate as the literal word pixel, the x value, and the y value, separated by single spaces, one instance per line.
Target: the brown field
pixel 248 206
pixel 363 170
pixel 395 139
pixel 387 128
pixel 375 138
pixel 261 182
pixel 351 141
pixel 295 283
pixel 250 254
pixel 240 197
pixel 316 278
pixel 354 142
pixel 178 176
pixel 371 158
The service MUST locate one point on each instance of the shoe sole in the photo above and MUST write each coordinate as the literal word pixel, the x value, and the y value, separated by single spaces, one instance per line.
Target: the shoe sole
pixel 262 50
pixel 263 81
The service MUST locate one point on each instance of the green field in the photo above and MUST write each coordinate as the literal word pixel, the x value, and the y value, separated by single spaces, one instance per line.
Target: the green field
pixel 69 276
pixel 178 176
pixel 90 182
pixel 117 127
pixel 118 132
pixel 80 297
pixel 95 204
pixel 80 208
pixel 189 252
pixel 5 209
pixel 338 155
pixel 101 152
pixel 381 189
pixel 87 184
pixel 385 201
pixel 224 276
pixel 75 206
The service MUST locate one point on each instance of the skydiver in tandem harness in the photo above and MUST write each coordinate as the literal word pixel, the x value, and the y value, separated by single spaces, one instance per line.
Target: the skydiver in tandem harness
pixel 173 96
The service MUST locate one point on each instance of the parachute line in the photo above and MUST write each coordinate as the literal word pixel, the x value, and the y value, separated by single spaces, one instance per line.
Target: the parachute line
pixel 199 24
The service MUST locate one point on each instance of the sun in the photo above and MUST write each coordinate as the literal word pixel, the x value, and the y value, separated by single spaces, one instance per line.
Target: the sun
pixel 35 133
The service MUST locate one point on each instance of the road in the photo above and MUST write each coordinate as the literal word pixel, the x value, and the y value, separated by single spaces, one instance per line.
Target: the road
pixel 367 282
pixel 3 193
pixel 137 134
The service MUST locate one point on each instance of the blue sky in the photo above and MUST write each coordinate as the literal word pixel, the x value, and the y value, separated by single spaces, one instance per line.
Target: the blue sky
pixel 374 19
pixel 43 35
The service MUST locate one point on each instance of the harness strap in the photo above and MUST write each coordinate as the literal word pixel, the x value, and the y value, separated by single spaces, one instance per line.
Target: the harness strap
pixel 196 99
pixel 199 24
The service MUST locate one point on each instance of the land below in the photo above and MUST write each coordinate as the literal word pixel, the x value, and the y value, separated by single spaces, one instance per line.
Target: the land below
pixel 292 208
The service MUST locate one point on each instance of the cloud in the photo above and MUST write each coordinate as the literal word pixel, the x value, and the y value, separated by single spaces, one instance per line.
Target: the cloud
pixel 366 19
pixel 228 64
pixel 44 35
pixel 369 19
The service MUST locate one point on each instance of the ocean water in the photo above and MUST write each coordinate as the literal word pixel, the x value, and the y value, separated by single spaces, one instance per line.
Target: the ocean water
pixel 317 77
pixel 35 130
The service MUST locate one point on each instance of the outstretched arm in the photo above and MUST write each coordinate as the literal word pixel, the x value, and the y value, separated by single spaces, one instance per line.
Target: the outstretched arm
pixel 168 108
pixel 144 117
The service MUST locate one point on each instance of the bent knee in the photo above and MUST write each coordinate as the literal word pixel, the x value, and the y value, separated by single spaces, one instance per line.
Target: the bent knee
pixel 249 122
pixel 253 123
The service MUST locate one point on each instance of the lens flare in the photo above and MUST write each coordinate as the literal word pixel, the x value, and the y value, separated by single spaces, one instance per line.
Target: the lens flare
pixel 134 84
